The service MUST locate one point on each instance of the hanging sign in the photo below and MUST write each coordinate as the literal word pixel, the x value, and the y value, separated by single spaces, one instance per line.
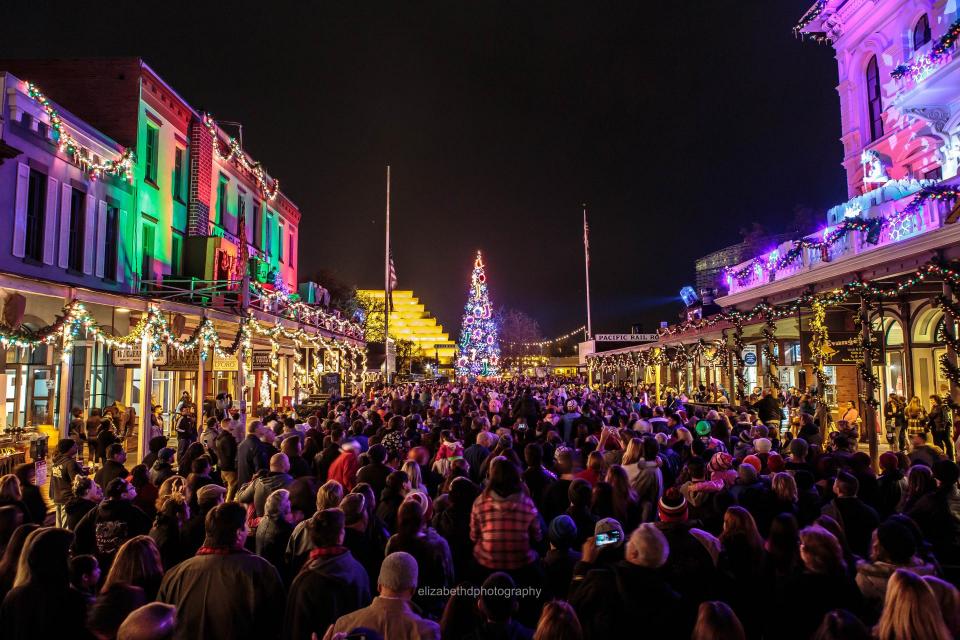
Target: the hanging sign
pixel 182 361
pixel 749 355
pixel 260 360
pixel 217 363
pixel 131 358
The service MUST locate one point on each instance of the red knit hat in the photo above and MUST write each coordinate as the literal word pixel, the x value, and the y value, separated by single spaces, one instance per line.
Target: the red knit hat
pixel 753 461
pixel 672 506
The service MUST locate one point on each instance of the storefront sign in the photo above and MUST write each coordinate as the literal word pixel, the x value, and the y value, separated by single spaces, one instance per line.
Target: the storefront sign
pixel 842 348
pixel 260 361
pixel 182 361
pixel 217 363
pixel 749 355
pixel 626 337
pixel 131 358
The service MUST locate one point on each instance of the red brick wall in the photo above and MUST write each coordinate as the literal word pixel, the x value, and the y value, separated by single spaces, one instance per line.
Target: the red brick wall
pixel 201 167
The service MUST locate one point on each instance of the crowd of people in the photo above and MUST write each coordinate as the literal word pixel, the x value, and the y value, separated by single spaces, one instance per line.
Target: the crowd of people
pixel 529 508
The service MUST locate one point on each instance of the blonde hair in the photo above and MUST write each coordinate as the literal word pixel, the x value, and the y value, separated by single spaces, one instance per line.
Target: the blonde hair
pixel 907 608
pixel 173 484
pixel 10 487
pixel 558 621
pixel 412 469
pixel 137 563
pixel 785 487
pixel 329 495
pixel 633 452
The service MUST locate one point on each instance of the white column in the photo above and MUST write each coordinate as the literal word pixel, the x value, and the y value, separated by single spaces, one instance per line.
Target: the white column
pixel 66 375
pixel 146 387
pixel 3 387
pixel 242 386
pixel 201 385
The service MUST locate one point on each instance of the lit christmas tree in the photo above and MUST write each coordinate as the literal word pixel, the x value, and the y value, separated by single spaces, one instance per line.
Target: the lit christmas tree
pixel 479 349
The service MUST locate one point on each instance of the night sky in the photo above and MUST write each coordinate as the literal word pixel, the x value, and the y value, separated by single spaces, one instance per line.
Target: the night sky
pixel 677 122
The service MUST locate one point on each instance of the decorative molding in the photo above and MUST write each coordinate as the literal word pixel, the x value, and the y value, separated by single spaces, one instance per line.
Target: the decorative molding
pixel 937 116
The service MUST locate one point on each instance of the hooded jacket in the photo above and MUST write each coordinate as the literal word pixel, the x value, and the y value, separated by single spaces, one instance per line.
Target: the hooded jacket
pixel 258 490
pixel 62 472
pixel 326 588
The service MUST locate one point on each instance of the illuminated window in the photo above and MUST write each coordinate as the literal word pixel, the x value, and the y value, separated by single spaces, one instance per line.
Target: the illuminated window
pixel 221 200
pixel 152 148
pixel 178 156
pixel 921 32
pixel 874 103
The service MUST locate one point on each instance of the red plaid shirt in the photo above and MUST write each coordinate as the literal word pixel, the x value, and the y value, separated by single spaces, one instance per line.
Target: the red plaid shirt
pixel 502 529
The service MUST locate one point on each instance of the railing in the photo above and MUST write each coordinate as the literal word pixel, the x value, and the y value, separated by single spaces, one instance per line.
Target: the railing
pixel 895 228
pixel 203 293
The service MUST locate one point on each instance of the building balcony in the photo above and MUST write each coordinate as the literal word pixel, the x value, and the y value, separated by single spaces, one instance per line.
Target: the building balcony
pixel 873 223
pixel 931 76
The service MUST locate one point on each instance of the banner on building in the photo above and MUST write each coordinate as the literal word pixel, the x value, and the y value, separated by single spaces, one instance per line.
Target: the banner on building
pixel 842 348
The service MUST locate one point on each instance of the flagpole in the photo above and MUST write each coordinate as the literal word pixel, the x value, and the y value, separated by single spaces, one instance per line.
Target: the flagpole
pixel 586 266
pixel 386 289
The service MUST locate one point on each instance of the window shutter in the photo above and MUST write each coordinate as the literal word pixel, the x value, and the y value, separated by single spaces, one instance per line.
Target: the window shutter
pixel 122 254
pixel 20 210
pixel 89 228
pixel 65 193
pixel 101 243
pixel 50 221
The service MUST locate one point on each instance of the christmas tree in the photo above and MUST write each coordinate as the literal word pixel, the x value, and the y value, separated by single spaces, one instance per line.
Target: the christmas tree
pixel 479 349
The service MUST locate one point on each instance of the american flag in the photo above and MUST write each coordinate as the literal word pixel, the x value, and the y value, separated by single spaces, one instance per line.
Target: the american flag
pixel 393 281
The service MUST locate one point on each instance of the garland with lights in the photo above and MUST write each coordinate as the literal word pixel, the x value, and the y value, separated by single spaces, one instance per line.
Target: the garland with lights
pixel 940 53
pixel 738 347
pixel 774 261
pixel 122 166
pixel 235 151
pixel 951 313
pixel 552 341
pixel 811 14
pixel 767 348
pixel 871 380
pixel 819 340
pixel 291 307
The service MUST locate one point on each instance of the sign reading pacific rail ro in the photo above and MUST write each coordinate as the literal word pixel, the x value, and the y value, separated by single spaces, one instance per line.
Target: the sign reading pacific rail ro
pixel 626 337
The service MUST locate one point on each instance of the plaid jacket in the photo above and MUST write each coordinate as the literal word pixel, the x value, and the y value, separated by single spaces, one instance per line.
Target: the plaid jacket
pixel 502 529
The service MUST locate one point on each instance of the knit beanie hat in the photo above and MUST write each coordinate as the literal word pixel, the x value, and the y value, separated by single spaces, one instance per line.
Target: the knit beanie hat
pixel 753 461
pixel 721 461
pixel 562 531
pixel 398 571
pixel 762 445
pixel 672 506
